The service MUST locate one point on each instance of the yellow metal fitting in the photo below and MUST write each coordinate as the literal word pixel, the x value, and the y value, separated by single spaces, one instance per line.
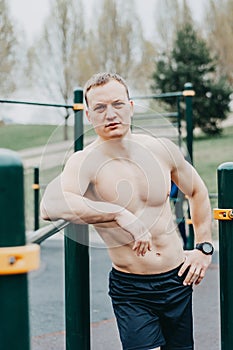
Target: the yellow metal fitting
pixel 78 106
pixel 20 259
pixel 189 221
pixel 35 186
pixel 188 93
pixel 223 214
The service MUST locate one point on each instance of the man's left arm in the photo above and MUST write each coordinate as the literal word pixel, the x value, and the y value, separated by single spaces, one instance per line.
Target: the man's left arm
pixel 200 211
pixel 191 184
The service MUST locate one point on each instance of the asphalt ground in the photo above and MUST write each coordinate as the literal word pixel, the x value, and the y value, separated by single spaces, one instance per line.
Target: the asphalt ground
pixel 46 300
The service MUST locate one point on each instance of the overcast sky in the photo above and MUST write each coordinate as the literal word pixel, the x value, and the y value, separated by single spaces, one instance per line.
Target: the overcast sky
pixel 30 13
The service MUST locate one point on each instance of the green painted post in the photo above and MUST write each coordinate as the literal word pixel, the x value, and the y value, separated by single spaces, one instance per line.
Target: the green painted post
pixel 225 201
pixel 188 95
pixel 36 188
pixel 179 122
pixel 78 121
pixel 14 317
pixel 77 288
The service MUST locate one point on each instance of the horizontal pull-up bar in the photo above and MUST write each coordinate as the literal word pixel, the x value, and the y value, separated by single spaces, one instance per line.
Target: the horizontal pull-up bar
pixel 37 103
pixel 75 107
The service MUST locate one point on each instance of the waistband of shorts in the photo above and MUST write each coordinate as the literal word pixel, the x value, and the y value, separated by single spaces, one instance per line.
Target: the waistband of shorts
pixel 146 277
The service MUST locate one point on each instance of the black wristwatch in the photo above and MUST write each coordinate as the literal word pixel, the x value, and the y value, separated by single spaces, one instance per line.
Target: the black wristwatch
pixel 205 247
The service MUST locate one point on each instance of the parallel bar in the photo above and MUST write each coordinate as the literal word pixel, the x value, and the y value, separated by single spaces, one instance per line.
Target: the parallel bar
pixel 43 233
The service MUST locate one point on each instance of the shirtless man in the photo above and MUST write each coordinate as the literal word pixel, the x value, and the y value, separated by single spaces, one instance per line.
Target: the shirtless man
pixel 121 183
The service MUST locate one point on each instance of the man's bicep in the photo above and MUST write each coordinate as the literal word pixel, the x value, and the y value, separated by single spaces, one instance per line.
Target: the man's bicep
pixel 52 194
pixel 75 177
pixel 187 179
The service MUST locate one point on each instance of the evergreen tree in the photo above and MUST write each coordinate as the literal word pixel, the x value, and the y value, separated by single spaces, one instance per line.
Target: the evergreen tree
pixel 190 61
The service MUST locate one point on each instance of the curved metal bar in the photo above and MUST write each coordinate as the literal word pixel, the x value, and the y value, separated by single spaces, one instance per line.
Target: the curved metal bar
pixel 43 233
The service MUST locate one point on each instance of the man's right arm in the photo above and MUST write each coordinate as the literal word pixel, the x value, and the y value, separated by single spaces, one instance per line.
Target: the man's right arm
pixel 59 204
pixel 63 199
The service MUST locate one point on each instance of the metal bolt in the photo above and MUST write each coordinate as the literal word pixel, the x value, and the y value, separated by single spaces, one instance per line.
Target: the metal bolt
pixel 230 214
pixel 12 260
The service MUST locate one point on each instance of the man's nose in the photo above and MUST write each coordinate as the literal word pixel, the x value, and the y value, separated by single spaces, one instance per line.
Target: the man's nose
pixel 110 112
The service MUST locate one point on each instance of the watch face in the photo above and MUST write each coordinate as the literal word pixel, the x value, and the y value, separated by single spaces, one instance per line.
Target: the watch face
pixel 207 248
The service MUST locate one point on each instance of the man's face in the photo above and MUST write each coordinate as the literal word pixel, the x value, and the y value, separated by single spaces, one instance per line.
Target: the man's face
pixel 109 110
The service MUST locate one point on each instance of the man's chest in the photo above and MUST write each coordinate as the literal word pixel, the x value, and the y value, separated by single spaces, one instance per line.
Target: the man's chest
pixel 130 183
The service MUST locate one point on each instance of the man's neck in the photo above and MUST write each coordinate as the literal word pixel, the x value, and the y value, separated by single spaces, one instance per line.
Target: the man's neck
pixel 118 147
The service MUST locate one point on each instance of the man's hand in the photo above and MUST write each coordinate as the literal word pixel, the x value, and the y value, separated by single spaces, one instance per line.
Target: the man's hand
pixel 197 263
pixel 142 245
pixel 142 237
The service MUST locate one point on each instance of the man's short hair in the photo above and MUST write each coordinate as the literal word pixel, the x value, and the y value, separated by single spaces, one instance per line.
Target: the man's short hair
pixel 100 79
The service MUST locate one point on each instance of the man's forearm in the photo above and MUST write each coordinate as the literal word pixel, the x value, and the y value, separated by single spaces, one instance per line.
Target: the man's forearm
pixel 81 210
pixel 201 216
pixel 78 209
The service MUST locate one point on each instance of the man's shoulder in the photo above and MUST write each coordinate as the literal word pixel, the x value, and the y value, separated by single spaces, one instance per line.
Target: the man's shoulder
pixel 81 154
pixel 89 157
pixel 151 141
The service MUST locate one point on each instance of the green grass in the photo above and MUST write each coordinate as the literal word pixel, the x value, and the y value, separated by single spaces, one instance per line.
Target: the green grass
pixel 209 153
pixel 17 137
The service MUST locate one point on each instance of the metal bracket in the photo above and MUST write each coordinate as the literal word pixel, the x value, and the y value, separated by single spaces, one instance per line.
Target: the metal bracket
pixel 223 214
pixel 35 186
pixel 188 93
pixel 19 259
pixel 78 106
pixel 189 221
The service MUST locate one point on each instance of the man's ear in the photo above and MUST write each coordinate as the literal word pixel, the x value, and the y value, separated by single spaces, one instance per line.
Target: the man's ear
pixel 87 115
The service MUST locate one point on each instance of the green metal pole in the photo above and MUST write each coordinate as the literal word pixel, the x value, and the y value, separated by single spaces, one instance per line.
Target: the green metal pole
pixel 77 288
pixel 36 198
pixel 14 317
pixel 225 201
pixel 188 94
pixel 179 122
pixel 78 121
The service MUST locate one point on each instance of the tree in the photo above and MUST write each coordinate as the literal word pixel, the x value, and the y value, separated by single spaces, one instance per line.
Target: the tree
pixel 219 27
pixel 118 44
pixel 55 58
pixel 66 54
pixel 8 46
pixel 167 19
pixel 190 61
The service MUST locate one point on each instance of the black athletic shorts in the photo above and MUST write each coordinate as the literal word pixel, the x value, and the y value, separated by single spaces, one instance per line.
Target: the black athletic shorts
pixel 152 310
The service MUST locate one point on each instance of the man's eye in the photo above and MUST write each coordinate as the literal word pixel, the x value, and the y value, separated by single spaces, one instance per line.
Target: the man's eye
pixel 100 108
pixel 118 105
